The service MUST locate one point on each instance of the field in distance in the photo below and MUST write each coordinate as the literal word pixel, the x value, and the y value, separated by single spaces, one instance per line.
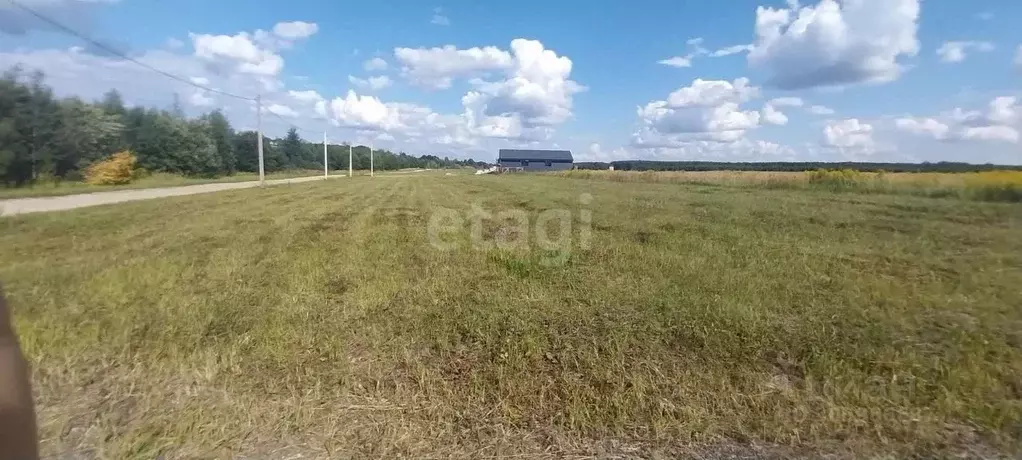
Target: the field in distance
pixel 697 319
pixel 994 185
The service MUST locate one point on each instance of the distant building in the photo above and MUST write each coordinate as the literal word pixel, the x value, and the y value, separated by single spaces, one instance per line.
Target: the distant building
pixel 536 160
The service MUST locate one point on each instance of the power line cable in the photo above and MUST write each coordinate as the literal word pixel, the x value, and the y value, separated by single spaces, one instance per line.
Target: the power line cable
pixel 289 123
pixel 115 52
pixel 292 124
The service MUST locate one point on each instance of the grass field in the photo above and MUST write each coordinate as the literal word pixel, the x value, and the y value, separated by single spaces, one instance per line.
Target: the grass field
pixel 151 181
pixel 703 319
pixel 1003 186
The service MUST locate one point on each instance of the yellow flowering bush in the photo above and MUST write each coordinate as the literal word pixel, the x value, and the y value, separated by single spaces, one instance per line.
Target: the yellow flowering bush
pixel 837 178
pixel 995 185
pixel 117 169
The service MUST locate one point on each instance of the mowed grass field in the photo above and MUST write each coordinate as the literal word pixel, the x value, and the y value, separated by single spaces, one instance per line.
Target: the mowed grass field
pixel 317 320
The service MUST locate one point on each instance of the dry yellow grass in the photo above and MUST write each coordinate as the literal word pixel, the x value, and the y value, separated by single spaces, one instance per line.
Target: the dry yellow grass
pixel 707 177
pixel 983 186
pixel 954 180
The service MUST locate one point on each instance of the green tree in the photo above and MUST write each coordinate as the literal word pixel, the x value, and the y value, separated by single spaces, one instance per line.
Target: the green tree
pixel 198 155
pixel 85 134
pixel 247 153
pixel 360 157
pixel 167 143
pixel 245 150
pixel 15 159
pixel 28 116
pixel 175 108
pixel 338 157
pixel 273 156
pixel 45 136
pixel 44 121
pixel 292 149
pixel 113 103
pixel 223 135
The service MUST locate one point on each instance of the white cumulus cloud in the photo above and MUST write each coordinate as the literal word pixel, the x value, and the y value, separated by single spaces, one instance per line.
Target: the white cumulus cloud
pixel 199 98
pixel 695 49
pixel 440 20
pixel 773 116
pixel 362 112
pixel 849 134
pixel 374 64
pixel 369 113
pixel 1004 110
pixel 373 83
pixel 436 67
pixel 787 102
pixel 835 43
pixel 703 150
pixel 820 110
pixel 516 96
pixel 295 30
pixel 239 51
pixel 992 133
pixel 1000 122
pixel 596 152
pixel 305 96
pixel 952 52
pixel 708 93
pixel 253 53
pixel 281 110
pixel 705 110
pixel 536 87
pixel 677 61
pixel 928 126
pixel 727 51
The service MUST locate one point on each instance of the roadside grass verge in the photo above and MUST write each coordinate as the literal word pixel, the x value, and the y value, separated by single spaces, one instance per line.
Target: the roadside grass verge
pixel 317 320
pixel 47 188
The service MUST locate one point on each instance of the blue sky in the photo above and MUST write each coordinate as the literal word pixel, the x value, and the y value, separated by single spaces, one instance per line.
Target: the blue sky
pixel 743 80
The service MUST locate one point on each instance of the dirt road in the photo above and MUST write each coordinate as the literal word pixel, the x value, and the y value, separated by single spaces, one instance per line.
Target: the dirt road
pixel 59 203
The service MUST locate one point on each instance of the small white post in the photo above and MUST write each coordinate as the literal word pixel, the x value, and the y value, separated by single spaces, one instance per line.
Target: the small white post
pixel 326 170
pixel 371 170
pixel 259 142
pixel 349 160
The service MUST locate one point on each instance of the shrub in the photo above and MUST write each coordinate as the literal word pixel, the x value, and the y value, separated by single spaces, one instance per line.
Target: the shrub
pixel 117 169
pixel 995 186
pixel 74 175
pixel 837 178
pixel 140 173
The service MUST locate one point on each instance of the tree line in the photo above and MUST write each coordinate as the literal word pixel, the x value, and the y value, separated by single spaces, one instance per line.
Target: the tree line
pixel 640 165
pixel 43 137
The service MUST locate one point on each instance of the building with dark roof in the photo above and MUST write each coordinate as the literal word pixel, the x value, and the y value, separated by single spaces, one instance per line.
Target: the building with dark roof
pixel 535 160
